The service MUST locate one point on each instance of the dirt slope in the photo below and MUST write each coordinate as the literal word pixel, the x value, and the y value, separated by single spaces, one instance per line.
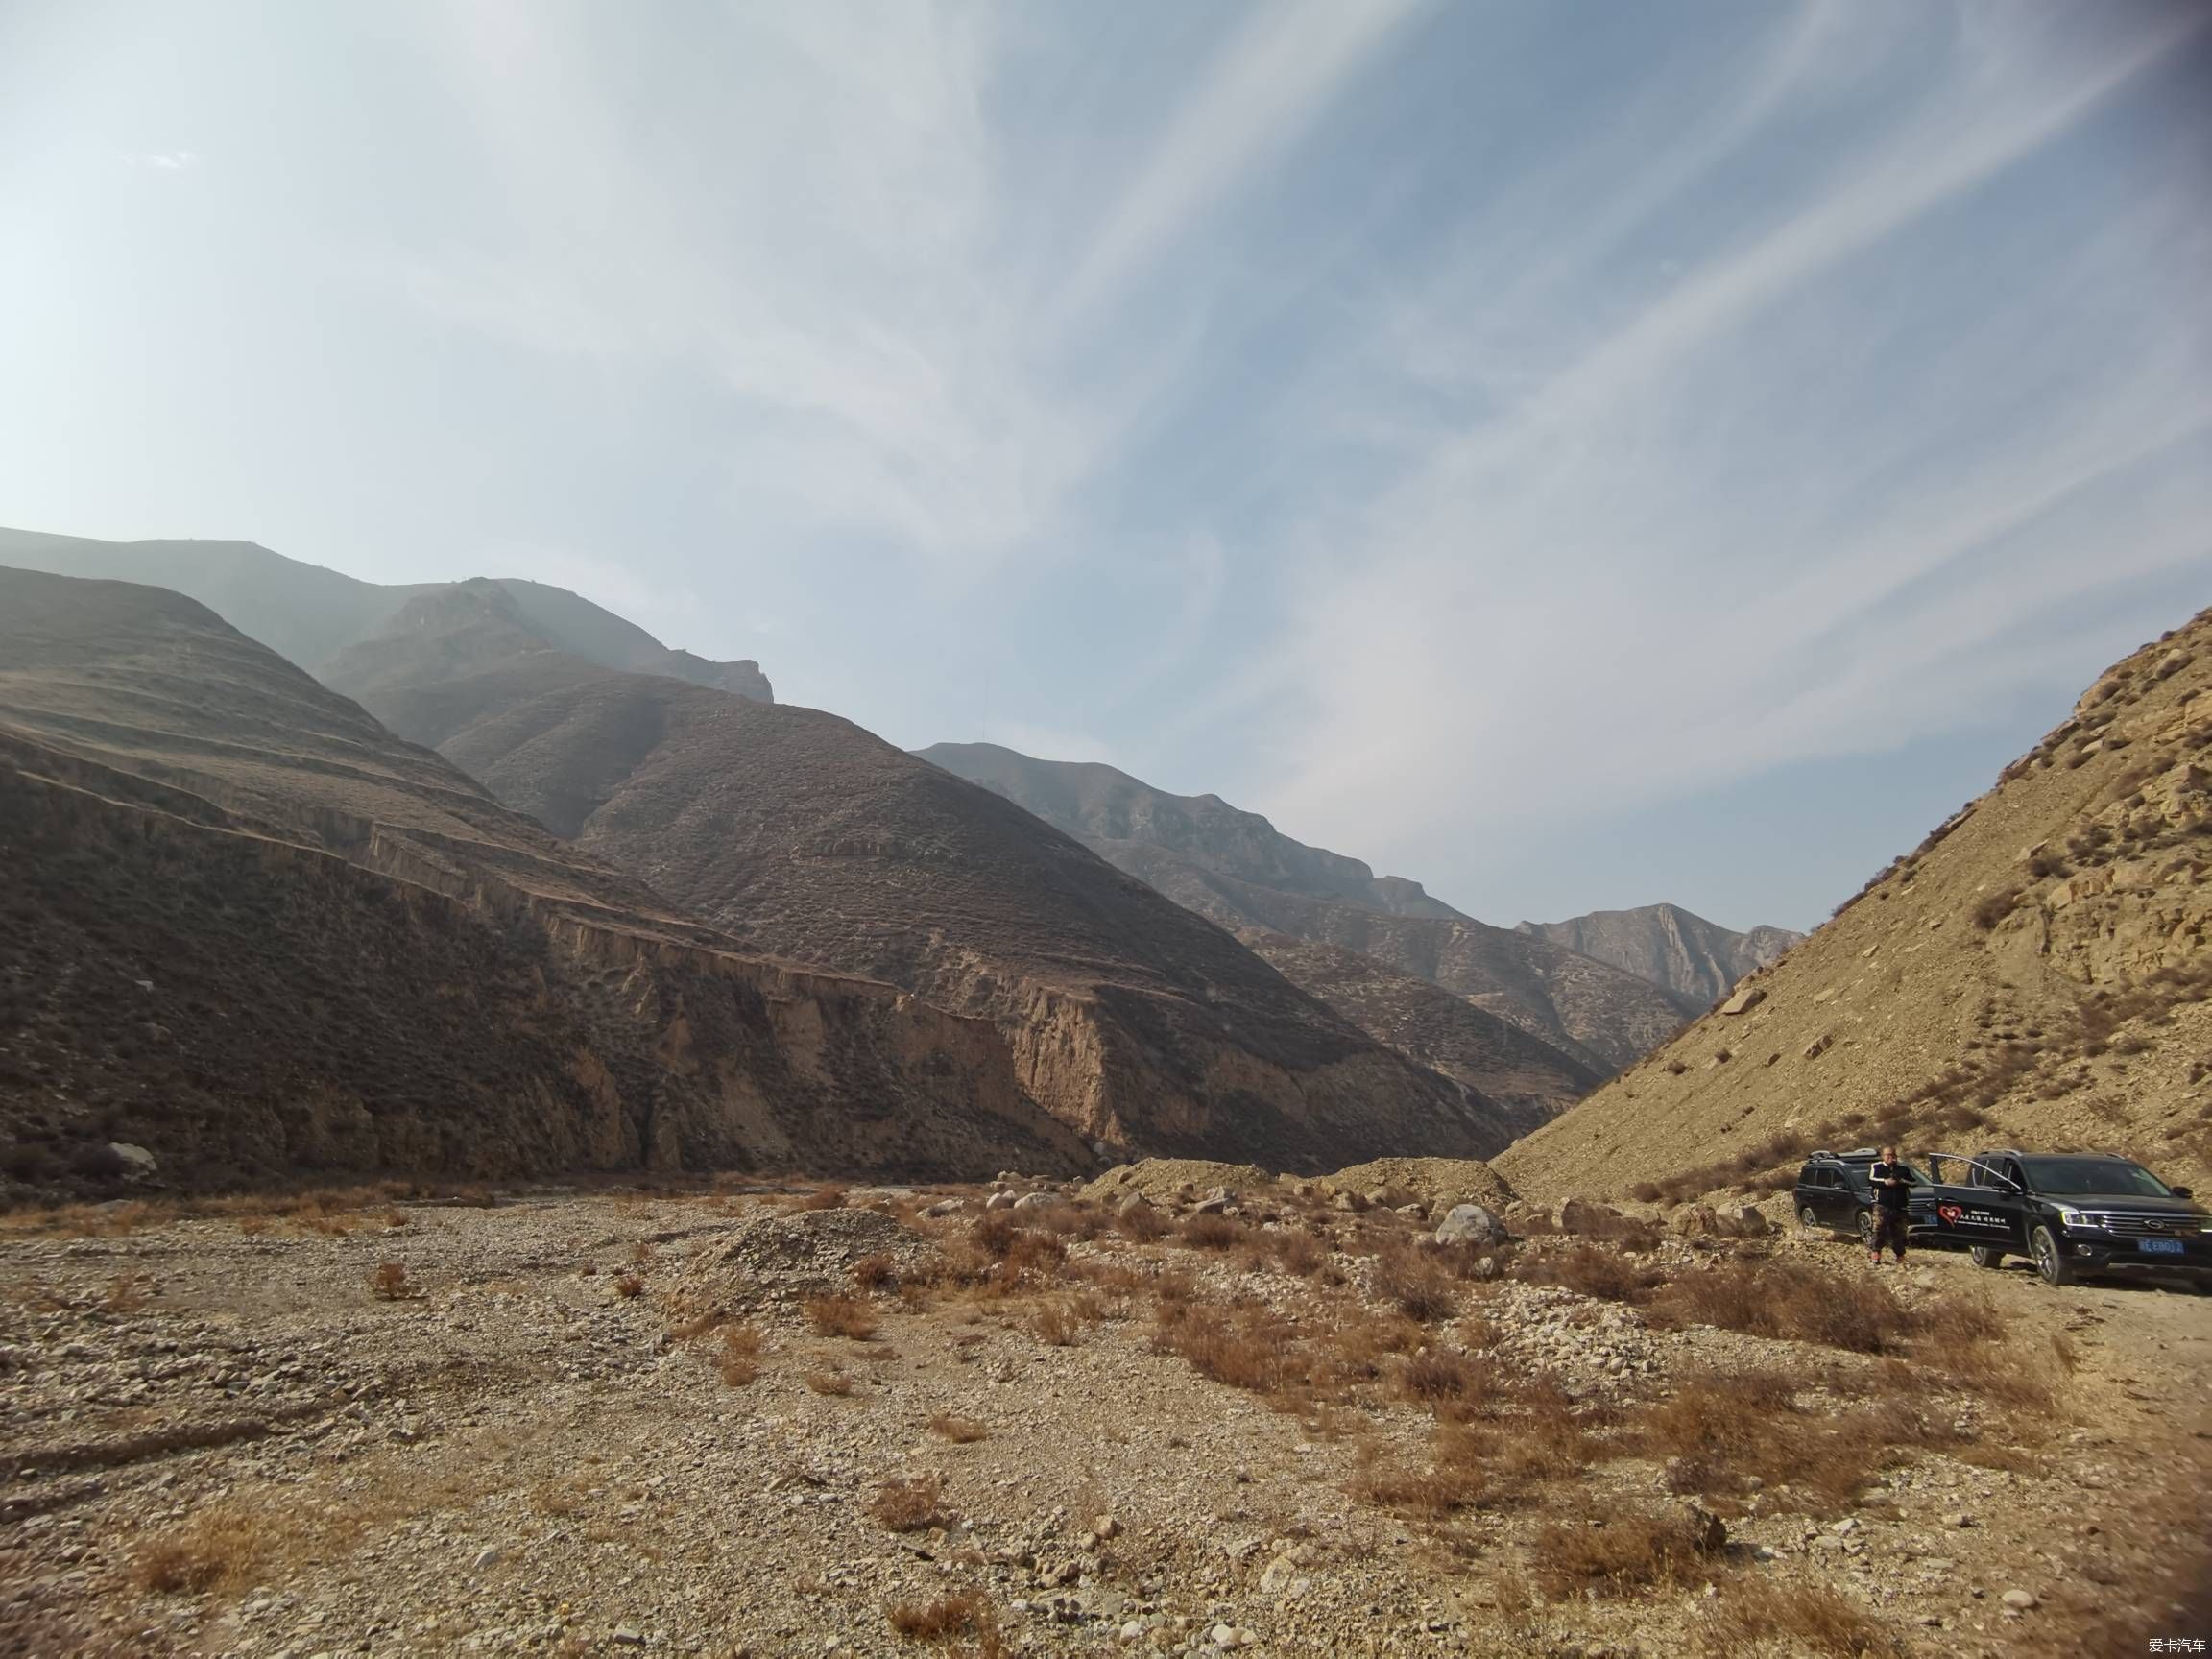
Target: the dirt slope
pixel 1669 946
pixel 2034 973
pixel 1133 1021
pixel 249 931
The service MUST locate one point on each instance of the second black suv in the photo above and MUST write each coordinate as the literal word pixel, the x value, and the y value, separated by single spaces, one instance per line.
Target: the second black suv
pixel 1834 1193
pixel 2071 1214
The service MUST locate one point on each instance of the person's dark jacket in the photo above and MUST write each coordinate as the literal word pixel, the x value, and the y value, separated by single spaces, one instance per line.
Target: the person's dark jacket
pixel 1892 1184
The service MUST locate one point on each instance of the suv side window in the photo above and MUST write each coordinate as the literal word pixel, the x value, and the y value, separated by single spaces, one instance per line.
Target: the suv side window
pixel 2013 1173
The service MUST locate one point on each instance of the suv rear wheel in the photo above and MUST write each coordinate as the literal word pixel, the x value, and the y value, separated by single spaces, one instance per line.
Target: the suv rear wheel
pixel 1985 1255
pixel 2047 1262
pixel 1808 1220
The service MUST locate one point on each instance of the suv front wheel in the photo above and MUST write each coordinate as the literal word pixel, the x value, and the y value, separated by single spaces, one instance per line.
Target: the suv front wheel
pixel 1985 1255
pixel 2048 1261
pixel 1866 1221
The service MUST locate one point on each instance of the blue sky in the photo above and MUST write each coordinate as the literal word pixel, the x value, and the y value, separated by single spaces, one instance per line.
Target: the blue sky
pixel 1572 454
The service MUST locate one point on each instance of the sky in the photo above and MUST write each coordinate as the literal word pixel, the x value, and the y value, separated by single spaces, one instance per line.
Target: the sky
pixel 1569 453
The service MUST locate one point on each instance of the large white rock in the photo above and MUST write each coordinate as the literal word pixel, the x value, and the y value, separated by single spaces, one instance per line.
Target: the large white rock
pixel 1468 1224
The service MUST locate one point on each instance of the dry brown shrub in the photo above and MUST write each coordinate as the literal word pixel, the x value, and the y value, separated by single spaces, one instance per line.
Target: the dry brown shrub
pixel 389 1283
pixel 1210 1232
pixel 126 1293
pixel 1810 1618
pixel 833 1382
pixel 1792 1300
pixel 1056 1324
pixel 911 1505
pixel 1139 1223
pixel 1438 1378
pixel 1415 1284
pixel 960 1614
pixel 218 1549
pixel 875 1271
pixel 1588 1269
pixel 841 1316
pixel 1616 1553
pixel 1452 1478
pixel 959 1430
pixel 739 1361
pixel 628 1285
pixel 821 1198
pixel 1296 1252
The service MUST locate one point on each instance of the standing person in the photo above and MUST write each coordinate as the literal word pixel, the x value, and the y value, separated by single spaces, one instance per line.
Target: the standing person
pixel 1892 1192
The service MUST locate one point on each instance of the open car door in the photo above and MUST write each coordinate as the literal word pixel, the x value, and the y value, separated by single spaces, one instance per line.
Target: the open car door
pixel 1968 1202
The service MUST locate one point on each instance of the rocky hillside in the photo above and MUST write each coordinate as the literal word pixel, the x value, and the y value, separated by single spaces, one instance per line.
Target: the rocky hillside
pixel 2036 974
pixel 1527 1079
pixel 247 930
pixel 1108 810
pixel 1238 870
pixel 309 615
pixel 1131 1019
pixel 1667 944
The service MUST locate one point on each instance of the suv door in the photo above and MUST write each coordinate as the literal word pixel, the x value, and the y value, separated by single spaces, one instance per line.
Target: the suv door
pixel 1833 1199
pixel 1985 1208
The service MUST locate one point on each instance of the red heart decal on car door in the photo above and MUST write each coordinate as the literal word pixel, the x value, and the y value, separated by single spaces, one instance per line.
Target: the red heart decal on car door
pixel 1949 1212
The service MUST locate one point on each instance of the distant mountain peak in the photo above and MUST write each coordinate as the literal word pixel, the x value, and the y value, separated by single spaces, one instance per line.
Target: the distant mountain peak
pixel 1669 946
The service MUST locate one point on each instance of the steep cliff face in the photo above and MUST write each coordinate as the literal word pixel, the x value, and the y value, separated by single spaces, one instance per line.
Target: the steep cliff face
pixel 1134 1022
pixel 249 930
pixel 1697 959
pixel 2036 973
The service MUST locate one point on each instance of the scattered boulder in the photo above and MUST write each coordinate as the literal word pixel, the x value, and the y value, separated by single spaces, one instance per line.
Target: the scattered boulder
pixel 1747 998
pixel 1696 1221
pixel 1036 1201
pixel 1751 1221
pixel 1708 1532
pixel 1470 1224
pixel 138 1164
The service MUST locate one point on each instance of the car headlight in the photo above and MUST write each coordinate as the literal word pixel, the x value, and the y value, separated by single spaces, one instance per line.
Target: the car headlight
pixel 2068 1216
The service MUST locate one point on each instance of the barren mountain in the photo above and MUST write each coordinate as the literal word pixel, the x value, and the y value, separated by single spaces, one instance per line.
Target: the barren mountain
pixel 248 930
pixel 2034 973
pixel 1667 944
pixel 1106 808
pixel 1529 1079
pixel 309 615
pixel 1131 1019
pixel 1238 870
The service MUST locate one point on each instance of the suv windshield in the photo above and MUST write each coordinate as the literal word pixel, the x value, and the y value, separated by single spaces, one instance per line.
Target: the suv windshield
pixel 2084 1175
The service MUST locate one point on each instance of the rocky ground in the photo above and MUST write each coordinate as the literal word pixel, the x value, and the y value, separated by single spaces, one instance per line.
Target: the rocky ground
pixel 1273 1419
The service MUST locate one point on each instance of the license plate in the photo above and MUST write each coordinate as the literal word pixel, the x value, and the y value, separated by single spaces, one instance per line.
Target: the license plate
pixel 2159 1246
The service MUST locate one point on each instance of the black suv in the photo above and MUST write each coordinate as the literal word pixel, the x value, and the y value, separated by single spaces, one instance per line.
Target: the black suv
pixel 2071 1214
pixel 1835 1194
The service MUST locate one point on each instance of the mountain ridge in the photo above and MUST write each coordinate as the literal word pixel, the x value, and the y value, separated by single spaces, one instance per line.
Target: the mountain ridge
pixel 1669 946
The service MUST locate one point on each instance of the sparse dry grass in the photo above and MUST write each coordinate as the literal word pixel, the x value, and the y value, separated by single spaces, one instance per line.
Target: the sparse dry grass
pixel 959 1430
pixel 875 1272
pixel 911 1505
pixel 390 1283
pixel 221 1548
pixel 1415 1284
pixel 841 1316
pixel 739 1361
pixel 834 1382
pixel 1589 1270
pixel 963 1614
pixel 1812 1617
pixel 629 1286
pixel 1211 1231
pixel 1615 1554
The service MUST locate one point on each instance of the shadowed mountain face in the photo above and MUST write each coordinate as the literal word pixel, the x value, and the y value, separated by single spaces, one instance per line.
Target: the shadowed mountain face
pixel 309 615
pixel 1524 1077
pixel 1132 1020
pixel 2036 974
pixel 1236 868
pixel 1667 944
pixel 249 929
